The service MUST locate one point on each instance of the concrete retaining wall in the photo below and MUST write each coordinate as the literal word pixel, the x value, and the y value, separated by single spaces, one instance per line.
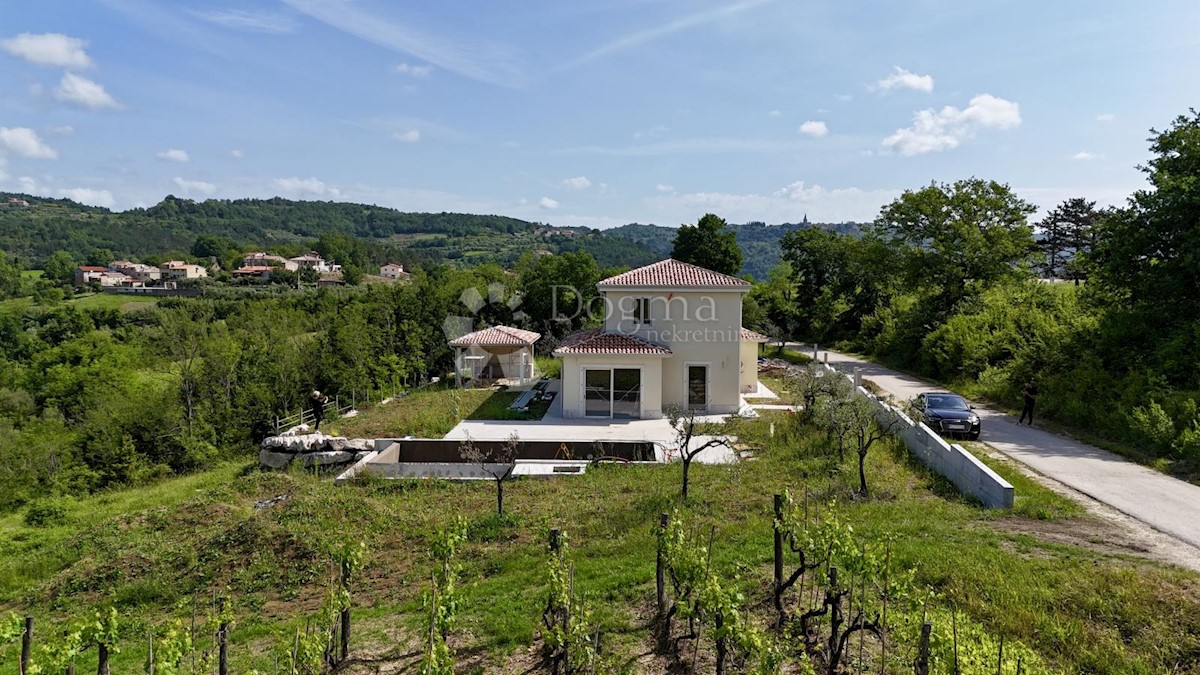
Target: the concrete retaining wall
pixel 960 467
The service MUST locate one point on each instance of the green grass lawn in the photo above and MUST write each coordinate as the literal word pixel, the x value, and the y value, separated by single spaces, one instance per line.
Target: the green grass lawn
pixel 151 551
pixel 433 412
pixel 125 303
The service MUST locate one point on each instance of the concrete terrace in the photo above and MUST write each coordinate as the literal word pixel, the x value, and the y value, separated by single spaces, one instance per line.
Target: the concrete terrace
pixel 554 427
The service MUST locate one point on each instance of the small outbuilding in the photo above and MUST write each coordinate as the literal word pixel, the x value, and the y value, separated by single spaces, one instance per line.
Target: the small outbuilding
pixel 751 341
pixel 496 353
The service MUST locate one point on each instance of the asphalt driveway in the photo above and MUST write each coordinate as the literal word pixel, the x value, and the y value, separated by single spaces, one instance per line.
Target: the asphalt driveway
pixel 1166 504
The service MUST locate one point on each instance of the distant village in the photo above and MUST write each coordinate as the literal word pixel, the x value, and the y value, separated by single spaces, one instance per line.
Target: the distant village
pixel 259 265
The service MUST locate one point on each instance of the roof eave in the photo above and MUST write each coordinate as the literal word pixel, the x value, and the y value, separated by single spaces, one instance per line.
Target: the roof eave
pixel 676 289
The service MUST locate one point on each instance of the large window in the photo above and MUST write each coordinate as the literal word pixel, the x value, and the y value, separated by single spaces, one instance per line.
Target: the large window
pixel 612 392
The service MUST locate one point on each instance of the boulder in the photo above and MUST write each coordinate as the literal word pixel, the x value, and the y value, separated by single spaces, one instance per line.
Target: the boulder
pixel 274 460
pixel 326 458
pixel 297 443
pixel 343 444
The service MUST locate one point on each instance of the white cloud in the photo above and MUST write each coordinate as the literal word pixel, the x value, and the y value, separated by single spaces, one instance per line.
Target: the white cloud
pixel 646 35
pixel 938 130
pixel 665 189
pixel 577 183
pixel 480 59
pixel 814 128
pixel 89 196
pixel 776 113
pixel 547 203
pixel 903 79
pixel 1084 155
pixel 410 136
pixel 310 186
pixel 82 91
pixel 195 186
pixel 174 155
pixel 254 22
pixel 28 185
pixel 415 71
pixel 237 153
pixel 65 130
pixel 1105 117
pixel 843 97
pixel 3 173
pixel 48 49
pixel 24 141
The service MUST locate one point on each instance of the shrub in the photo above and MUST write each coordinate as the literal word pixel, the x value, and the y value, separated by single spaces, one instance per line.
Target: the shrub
pixel 1154 425
pixel 45 513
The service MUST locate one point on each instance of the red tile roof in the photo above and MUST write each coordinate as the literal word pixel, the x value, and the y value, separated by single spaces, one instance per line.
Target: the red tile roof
pixel 497 336
pixel 92 268
pixel 598 341
pixel 673 273
pixel 752 336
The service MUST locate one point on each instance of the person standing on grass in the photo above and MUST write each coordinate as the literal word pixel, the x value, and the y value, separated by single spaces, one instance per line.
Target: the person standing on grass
pixel 318 401
pixel 1030 394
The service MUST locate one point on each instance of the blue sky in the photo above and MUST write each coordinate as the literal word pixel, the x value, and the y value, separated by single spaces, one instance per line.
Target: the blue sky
pixel 588 112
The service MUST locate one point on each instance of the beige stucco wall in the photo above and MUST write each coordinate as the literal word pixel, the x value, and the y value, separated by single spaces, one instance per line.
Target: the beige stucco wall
pixel 700 327
pixel 749 366
pixel 572 379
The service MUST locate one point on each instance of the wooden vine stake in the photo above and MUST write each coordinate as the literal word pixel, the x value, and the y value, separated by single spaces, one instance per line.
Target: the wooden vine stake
pixel 887 564
pixel 660 581
pixel 778 561
pixel 26 644
pixel 345 646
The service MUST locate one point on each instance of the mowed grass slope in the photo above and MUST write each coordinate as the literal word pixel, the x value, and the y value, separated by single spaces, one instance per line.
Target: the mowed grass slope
pixel 147 551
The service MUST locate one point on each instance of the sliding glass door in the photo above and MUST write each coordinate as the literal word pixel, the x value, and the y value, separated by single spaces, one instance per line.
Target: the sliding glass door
pixel 612 392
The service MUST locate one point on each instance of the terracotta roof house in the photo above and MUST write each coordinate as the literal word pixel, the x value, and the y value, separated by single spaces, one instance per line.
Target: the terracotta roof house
pixel 672 336
pixel 394 272
pixel 495 353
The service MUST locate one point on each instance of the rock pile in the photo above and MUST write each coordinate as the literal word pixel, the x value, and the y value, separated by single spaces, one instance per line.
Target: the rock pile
pixel 311 449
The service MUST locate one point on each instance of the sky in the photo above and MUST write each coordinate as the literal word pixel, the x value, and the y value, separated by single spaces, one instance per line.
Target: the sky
pixel 588 112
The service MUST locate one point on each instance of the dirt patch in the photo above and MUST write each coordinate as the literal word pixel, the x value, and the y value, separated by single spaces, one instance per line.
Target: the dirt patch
pixel 1105 530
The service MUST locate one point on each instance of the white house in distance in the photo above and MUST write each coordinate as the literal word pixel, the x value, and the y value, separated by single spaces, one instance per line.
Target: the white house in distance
pixel 672 336
pixel 394 272
pixel 259 259
pixel 312 260
pixel 177 269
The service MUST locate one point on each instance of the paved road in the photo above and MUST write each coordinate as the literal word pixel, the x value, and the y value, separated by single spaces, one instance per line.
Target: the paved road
pixel 1167 504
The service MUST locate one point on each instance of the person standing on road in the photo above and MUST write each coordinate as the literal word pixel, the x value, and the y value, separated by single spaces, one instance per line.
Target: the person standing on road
pixel 318 401
pixel 1030 393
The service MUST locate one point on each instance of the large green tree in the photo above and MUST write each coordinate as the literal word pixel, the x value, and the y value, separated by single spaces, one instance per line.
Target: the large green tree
pixel 971 232
pixel 708 244
pixel 1150 250
pixel 60 267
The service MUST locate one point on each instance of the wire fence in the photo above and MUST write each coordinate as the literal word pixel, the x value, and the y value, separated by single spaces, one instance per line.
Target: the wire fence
pixel 343 403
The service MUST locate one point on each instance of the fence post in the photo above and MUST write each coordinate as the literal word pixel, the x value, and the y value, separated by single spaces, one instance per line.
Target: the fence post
pixel 815 351
pixel 26 644
pixel 858 379
pixel 778 561
pixel 150 657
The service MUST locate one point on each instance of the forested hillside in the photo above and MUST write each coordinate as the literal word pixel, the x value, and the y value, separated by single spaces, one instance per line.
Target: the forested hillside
pixel 32 233
pixel 759 242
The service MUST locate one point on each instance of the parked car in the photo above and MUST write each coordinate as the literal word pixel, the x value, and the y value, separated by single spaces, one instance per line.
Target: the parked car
pixel 948 414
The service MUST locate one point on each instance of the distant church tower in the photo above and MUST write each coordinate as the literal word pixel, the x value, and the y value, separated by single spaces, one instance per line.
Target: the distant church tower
pixel 805 221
